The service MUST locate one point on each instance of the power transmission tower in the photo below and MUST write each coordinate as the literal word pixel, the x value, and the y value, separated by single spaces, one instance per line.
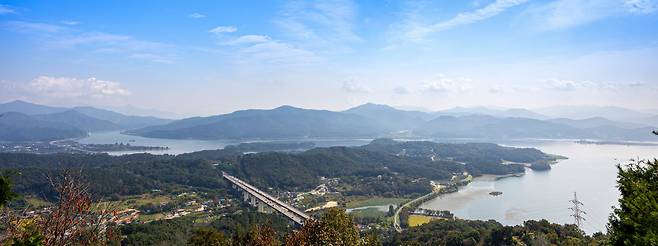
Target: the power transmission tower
pixel 577 211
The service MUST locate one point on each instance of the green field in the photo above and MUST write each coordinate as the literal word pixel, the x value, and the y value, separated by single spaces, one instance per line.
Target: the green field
pixel 368 213
pixel 138 200
pixel 373 201
pixel 37 202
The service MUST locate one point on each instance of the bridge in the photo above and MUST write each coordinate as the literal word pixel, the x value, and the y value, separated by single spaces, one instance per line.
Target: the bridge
pixel 264 202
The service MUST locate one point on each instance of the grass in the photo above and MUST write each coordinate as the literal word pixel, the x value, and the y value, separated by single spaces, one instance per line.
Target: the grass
pixel 137 200
pixel 368 213
pixel 374 201
pixel 416 220
pixel 37 202
pixel 151 217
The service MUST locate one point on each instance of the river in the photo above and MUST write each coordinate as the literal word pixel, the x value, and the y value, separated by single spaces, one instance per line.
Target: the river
pixel 590 171
pixel 179 146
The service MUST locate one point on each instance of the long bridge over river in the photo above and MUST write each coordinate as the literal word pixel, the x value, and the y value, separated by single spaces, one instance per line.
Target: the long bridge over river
pixel 265 202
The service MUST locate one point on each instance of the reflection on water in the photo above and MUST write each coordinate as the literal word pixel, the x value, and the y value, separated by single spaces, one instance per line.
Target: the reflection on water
pixel 590 171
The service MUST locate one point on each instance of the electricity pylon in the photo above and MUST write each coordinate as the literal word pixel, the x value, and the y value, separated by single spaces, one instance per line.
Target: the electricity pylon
pixel 577 211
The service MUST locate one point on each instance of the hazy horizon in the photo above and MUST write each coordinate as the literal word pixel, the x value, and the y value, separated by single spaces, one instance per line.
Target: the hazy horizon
pixel 199 59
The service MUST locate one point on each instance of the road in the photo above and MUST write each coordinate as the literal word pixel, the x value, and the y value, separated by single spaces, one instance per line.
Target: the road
pixel 289 211
pixel 396 217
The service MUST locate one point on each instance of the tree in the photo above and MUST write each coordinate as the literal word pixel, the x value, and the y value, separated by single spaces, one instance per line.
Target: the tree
pixel 73 221
pixel 335 227
pixel 634 221
pixel 391 210
pixel 208 237
pixel 262 236
pixel 6 194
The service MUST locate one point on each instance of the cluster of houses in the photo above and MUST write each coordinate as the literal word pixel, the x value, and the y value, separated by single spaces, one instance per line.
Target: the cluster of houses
pixel 444 214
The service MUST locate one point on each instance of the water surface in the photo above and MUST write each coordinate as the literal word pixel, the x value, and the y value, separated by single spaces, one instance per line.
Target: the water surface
pixel 590 171
pixel 179 146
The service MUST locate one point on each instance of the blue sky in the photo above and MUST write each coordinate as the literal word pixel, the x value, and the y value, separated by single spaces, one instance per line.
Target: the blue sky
pixel 208 57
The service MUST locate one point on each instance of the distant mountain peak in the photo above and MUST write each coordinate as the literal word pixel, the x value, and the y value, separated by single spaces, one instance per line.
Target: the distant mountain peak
pixel 371 106
pixel 287 107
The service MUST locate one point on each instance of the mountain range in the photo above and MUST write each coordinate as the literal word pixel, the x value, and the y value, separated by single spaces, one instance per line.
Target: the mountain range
pixel 20 127
pixel 281 122
pixel 364 121
pixel 372 120
pixel 24 121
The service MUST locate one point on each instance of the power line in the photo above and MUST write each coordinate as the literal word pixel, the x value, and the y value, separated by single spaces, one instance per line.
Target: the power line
pixel 577 211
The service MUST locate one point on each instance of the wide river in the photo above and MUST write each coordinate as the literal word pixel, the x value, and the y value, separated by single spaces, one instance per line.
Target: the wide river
pixel 590 171
pixel 179 146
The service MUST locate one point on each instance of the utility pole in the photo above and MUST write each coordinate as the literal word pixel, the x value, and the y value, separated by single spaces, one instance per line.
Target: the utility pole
pixel 577 211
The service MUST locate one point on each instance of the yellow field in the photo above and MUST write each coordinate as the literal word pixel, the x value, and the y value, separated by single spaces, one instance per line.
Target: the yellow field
pixel 416 220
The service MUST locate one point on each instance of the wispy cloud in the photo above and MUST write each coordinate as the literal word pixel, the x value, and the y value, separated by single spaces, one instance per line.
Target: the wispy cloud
pixel 33 27
pixel 414 31
pixel 67 90
pixel 260 49
pixel 248 39
pixel 574 85
pixel 6 9
pixel 351 85
pixel 276 52
pixel 443 84
pixel 562 14
pixel 327 24
pixel 58 37
pixel 223 29
pixel 196 15
pixel 70 22
pixel 74 87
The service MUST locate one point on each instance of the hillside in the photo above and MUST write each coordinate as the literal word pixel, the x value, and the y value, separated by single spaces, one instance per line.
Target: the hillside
pixel 372 120
pixel 359 168
pixel 391 118
pixel 584 112
pixel 20 127
pixel 124 121
pixel 488 127
pixel 503 113
pixel 78 120
pixel 281 122
pixel 84 118
pixel 595 122
pixel 28 108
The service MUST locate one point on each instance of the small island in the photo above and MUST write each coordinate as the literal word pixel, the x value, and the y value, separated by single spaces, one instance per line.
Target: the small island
pixel 119 147
pixel 496 193
pixel 273 146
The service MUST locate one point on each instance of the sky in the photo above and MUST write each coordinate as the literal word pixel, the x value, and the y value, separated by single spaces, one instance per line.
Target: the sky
pixel 210 57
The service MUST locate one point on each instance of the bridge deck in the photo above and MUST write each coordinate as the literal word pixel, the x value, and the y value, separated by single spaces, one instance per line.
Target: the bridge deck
pixel 289 211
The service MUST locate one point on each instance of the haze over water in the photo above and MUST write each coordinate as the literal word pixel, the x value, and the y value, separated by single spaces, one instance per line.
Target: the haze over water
pixel 590 171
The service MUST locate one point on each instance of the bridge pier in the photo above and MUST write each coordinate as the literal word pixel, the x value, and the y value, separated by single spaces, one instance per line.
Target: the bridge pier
pixel 253 202
pixel 245 195
pixel 264 202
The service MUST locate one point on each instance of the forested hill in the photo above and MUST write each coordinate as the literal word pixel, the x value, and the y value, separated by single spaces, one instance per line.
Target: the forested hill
pixel 370 120
pixel 383 167
pixel 21 127
pixel 23 121
pixel 281 122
